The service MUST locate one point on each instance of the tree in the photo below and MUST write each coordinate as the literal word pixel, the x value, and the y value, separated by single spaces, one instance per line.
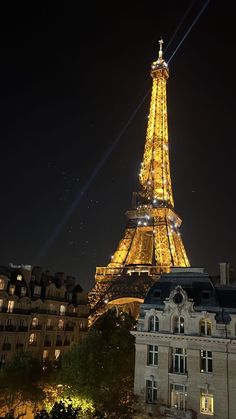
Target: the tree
pixel 101 368
pixel 20 384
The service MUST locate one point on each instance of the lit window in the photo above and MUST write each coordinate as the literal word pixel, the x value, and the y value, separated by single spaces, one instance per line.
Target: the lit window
pixel 1 305
pixel 178 396
pixel 62 310
pixel 10 306
pixel 45 354
pixel 205 327
pixel 60 324
pixel 179 360
pixel 2 283
pixel 23 291
pixel 206 361
pixel 153 324
pixel 152 355
pixel 35 322
pixel 19 277
pixel 12 289
pixel 178 324
pixel 151 387
pixel 33 339
pixel 57 354
pixel 207 404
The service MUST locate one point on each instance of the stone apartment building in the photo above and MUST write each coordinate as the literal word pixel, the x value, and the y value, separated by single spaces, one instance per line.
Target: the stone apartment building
pixel 41 313
pixel 186 348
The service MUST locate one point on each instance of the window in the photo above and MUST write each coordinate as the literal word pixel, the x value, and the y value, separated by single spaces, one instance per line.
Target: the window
pixel 153 324
pixel 35 322
pixel 33 339
pixel 10 306
pixel 49 324
pixel 37 290
pixel 178 325
pixel 207 403
pixel 51 307
pixel 19 277
pixel 61 324
pixel 57 354
pixel 179 360
pixel 206 361
pixel 22 323
pixel 178 396
pixel 12 289
pixel 205 327
pixel 2 283
pixel 45 355
pixel 23 291
pixel 152 355
pixel 151 387
pixel 62 310
pixel 1 305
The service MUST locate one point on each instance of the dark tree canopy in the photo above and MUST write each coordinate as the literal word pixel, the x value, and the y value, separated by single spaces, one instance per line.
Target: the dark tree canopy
pixel 101 368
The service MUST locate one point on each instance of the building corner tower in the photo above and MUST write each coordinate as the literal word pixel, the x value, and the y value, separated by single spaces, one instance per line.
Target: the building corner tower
pixel 151 243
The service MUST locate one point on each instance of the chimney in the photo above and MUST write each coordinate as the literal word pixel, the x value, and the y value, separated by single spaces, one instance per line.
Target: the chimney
pixel 224 273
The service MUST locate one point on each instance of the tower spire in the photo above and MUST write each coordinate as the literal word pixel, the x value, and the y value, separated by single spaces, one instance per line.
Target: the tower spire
pixel 161 42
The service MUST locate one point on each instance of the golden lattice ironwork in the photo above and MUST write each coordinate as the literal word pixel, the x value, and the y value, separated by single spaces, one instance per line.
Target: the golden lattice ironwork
pixel 152 242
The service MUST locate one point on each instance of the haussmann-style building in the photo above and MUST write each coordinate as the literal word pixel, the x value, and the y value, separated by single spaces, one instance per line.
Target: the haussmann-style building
pixel 40 313
pixel 185 363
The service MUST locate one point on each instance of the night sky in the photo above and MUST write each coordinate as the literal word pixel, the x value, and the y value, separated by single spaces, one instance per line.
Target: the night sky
pixel 71 77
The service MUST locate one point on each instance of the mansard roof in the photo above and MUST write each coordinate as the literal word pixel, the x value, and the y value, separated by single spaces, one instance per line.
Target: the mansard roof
pixel 198 286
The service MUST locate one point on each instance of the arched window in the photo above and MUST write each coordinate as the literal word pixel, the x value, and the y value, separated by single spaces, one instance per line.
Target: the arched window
pixel 35 322
pixel 2 283
pixel 205 327
pixel 178 324
pixel 153 324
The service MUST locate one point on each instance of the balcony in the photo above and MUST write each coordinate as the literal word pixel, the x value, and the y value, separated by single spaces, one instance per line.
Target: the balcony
pixel 36 327
pixel 59 343
pixel 176 413
pixel 47 343
pixel 1 327
pixel 69 328
pixel 23 329
pixel 34 343
pixel 6 347
pixel 10 328
pixel 49 327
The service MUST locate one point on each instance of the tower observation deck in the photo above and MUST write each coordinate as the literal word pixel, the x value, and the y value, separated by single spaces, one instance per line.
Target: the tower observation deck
pixel 151 243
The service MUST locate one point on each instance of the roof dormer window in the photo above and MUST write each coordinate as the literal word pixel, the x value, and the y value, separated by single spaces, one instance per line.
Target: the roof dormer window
pixel 2 284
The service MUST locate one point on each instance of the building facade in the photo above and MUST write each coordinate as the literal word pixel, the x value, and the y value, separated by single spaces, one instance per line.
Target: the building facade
pixel 40 313
pixel 186 348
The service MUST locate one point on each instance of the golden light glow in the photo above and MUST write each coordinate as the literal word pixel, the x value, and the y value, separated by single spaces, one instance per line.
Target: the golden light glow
pixel 152 242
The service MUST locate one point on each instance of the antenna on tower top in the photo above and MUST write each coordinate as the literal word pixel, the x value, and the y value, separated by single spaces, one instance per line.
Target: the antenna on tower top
pixel 160 50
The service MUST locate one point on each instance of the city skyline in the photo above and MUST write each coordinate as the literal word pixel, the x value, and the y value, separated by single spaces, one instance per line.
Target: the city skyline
pixel 66 96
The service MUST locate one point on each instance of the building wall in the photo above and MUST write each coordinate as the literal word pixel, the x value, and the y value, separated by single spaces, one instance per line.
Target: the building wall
pixel 221 343
pixel 47 321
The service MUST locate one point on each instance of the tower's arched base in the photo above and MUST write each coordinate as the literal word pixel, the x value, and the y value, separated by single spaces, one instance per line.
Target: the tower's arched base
pixel 125 293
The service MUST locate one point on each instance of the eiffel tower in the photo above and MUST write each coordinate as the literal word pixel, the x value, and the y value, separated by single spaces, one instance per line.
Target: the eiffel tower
pixel 151 243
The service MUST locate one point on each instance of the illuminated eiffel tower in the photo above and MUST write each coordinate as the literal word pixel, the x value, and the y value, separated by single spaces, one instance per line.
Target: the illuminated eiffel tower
pixel 152 242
